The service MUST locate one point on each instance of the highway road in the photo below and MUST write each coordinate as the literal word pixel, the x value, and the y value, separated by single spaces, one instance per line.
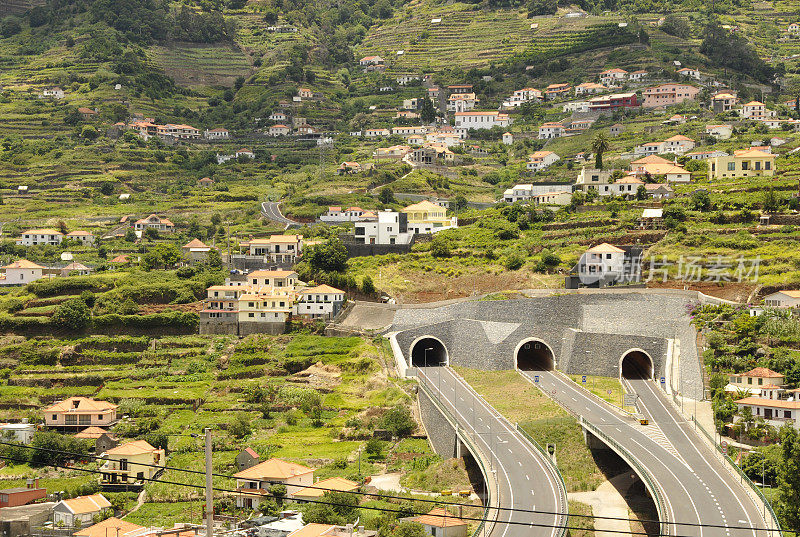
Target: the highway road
pixel 272 210
pixel 695 485
pixel 524 478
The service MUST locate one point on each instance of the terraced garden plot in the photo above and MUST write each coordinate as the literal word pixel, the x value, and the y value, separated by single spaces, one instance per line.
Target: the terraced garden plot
pixel 201 65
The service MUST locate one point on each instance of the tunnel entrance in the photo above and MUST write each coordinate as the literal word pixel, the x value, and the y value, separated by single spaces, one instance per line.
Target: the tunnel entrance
pixel 427 352
pixel 534 356
pixel 636 364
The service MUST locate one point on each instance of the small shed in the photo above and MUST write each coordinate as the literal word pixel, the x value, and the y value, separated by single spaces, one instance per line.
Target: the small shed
pixel 652 219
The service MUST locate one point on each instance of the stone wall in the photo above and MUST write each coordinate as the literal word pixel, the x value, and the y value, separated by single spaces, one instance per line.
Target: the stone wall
pixel 487 334
pixel 441 435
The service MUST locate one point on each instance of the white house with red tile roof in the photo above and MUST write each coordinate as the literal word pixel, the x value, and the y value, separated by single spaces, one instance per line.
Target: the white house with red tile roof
pixel 80 511
pixel 557 90
pixel 783 299
pixel 550 130
pixel 322 301
pixel 80 412
pixel 440 523
pixel 52 93
pixel 34 237
pixel 613 76
pixel 216 134
pixel 637 75
pixel 754 380
pixel 589 88
pixel 539 160
pixel 279 130
pixel 79 235
pixel 154 222
pixel 678 144
pixel 689 72
pixel 21 272
pixel 775 412
pixel 258 479
pixel 756 110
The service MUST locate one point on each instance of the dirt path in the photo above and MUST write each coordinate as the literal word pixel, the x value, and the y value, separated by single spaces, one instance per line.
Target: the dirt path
pixel 608 501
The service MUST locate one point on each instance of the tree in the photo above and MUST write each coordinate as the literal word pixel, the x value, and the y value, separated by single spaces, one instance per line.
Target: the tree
pixel 240 427
pixel 403 529
pixel 72 315
pixel 600 145
pixel 398 421
pixel 374 447
pixel 641 193
pixel 214 259
pixel 89 132
pixel 338 508
pixel 162 256
pixel 130 235
pixel 771 203
pixel 789 479
pixel 460 203
pixel 440 246
pixel 386 196
pixel 427 112
pixel 151 233
pixel 674 25
pixel 330 256
pixel 701 201
pixel 367 287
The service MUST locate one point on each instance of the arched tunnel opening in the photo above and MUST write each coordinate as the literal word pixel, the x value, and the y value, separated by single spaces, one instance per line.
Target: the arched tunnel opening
pixel 535 356
pixel 636 365
pixel 428 352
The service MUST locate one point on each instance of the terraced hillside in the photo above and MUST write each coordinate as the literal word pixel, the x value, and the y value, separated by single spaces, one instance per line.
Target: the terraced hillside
pixel 473 37
pixel 201 65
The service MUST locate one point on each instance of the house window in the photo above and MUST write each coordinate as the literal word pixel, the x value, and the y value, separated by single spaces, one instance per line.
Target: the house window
pixel 749 380
pixel 55 417
pixel 745 165
pixel 731 166
pixel 767 165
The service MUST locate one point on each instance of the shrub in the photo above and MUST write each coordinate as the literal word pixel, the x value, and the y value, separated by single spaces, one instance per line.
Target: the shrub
pixel 72 315
pixel 398 421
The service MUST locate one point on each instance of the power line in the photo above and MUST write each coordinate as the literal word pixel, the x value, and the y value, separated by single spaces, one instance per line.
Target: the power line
pixel 386 496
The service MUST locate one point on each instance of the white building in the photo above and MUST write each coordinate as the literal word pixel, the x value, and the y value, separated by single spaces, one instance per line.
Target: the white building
pixel 756 110
pixel 34 237
pixel 575 106
pixel 613 77
pixel 80 511
pixel 526 192
pixel 603 262
pixel 508 138
pixel 21 272
pixel 776 412
pixel 550 130
pixel 337 214
pixel 279 130
pixel 84 237
pixel 678 144
pixel 461 102
pixel 216 134
pixel 479 120
pixel 53 93
pixel 720 132
pixel 690 73
pixel 278 116
pixel 589 88
pixel 388 227
pixel 20 432
pixel 522 96
pixel 259 478
pixel 321 301
pixel 782 299
pixel 375 133
pixel 540 160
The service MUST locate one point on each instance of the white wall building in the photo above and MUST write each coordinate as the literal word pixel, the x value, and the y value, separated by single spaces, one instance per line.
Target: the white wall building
pixel 541 160
pixel 34 237
pixel 389 227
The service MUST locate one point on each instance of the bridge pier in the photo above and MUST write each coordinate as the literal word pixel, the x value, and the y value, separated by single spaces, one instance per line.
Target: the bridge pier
pixel 592 442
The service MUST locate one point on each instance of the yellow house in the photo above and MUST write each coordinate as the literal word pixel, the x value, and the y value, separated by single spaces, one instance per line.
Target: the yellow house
pixel 746 163
pixel 427 217
pixel 132 462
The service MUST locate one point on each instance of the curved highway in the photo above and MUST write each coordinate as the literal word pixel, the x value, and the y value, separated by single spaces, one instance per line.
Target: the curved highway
pixel 524 478
pixel 695 485
pixel 272 210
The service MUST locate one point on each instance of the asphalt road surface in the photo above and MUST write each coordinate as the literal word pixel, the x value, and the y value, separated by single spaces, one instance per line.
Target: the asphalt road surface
pixel 272 210
pixel 525 479
pixel 696 487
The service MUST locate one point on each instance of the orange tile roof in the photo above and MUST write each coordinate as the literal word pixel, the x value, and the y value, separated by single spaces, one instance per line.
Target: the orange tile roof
pixel 117 528
pixel 320 289
pixel 679 138
pixel 605 248
pixel 651 159
pixel 763 372
pixel 273 469
pixel 84 404
pixel 774 403
pixel 195 243
pixel 271 273
pixel 137 447
pixel 42 231
pixel 23 264
pixel 78 233
pixel 749 153
pixel 87 504
pixel 439 518
pixel 91 432
pixel 312 530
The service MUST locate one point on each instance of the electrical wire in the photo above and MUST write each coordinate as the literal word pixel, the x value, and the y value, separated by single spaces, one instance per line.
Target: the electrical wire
pixel 384 496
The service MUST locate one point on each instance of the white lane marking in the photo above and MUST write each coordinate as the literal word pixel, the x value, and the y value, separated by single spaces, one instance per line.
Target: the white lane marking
pixel 527 477
pixel 704 459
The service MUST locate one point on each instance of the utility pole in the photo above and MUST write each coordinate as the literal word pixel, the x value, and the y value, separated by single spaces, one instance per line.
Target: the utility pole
pixel 209 492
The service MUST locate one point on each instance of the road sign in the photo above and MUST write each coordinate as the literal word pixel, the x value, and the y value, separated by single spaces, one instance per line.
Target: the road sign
pixel 663 380
pixel 724 446
pixel 583 379
pixel 608 392
pixel 536 379
pixel 629 399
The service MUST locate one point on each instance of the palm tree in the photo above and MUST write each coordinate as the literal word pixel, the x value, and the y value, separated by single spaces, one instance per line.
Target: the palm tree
pixel 600 145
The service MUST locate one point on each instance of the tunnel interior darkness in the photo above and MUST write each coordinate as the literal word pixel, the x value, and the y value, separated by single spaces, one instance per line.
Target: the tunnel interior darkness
pixel 428 352
pixel 637 365
pixel 535 356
